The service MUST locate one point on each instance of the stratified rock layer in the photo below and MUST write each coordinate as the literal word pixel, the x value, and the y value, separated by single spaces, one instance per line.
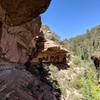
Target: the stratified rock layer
pixel 18 84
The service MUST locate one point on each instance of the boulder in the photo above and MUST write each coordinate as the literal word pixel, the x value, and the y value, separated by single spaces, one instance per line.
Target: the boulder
pixel 96 59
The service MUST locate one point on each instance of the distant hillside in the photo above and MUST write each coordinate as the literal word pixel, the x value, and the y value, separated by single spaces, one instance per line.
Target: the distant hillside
pixel 79 81
pixel 84 45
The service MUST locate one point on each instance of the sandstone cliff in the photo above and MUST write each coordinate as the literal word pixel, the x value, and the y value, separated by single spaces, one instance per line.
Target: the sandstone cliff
pixel 20 24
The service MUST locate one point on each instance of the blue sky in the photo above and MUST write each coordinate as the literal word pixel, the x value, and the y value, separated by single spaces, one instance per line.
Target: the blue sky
pixel 69 18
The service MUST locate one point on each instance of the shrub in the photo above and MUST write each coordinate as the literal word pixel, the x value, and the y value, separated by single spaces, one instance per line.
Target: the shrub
pixel 88 85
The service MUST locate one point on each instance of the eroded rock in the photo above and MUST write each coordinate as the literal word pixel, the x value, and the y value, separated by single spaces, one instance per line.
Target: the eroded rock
pixel 20 24
pixel 19 36
pixel 22 11
pixel 18 84
pixel 53 52
pixel 17 42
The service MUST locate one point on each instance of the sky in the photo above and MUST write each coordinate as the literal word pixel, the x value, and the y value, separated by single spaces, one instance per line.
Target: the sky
pixel 69 18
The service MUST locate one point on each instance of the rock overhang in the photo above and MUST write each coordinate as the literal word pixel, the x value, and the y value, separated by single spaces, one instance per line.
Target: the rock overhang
pixel 22 11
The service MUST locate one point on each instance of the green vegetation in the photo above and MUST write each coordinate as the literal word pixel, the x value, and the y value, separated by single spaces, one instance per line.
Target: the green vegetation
pixel 87 83
pixel 84 45
pixel 79 82
pixel 89 87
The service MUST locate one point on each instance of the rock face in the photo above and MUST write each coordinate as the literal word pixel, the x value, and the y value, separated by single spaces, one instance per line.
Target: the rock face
pixel 20 24
pixel 21 11
pixel 53 52
pixel 18 84
pixel 48 34
pixel 20 34
pixel 17 42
